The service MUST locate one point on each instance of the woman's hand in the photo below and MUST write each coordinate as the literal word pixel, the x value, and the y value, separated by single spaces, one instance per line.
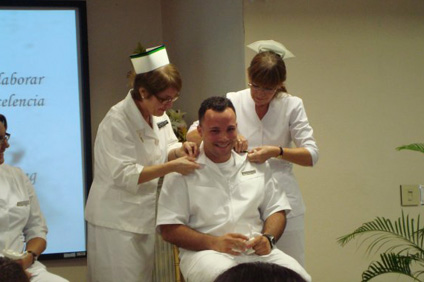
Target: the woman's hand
pixel 262 154
pixel 187 149
pixel 241 144
pixel 26 261
pixel 185 165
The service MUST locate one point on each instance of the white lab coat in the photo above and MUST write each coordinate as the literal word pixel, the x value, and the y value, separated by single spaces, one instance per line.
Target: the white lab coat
pixel 285 123
pixel 20 218
pixel 125 143
pixel 119 211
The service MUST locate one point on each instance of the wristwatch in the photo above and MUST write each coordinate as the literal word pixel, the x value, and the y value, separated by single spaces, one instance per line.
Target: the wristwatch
pixel 271 240
pixel 34 256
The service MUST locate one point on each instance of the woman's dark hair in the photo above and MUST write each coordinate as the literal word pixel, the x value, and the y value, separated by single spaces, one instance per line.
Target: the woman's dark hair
pixel 259 271
pixel 156 81
pixel 215 103
pixel 3 120
pixel 267 69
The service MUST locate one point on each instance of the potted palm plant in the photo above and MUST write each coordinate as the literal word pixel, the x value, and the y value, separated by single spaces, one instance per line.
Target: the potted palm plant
pixel 400 243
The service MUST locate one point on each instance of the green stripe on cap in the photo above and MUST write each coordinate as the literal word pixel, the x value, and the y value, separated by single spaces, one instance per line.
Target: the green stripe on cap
pixel 147 53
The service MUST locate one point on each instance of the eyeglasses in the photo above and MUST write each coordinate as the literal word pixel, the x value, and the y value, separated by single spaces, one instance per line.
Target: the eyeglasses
pixel 165 101
pixel 5 138
pixel 262 89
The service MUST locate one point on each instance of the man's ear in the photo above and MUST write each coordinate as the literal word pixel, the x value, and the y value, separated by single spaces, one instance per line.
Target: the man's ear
pixel 199 130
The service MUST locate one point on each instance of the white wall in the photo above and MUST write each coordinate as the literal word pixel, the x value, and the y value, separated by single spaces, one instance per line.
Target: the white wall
pixel 359 70
pixel 205 40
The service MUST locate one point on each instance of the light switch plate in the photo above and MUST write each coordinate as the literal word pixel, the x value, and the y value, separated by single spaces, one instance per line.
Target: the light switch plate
pixel 411 195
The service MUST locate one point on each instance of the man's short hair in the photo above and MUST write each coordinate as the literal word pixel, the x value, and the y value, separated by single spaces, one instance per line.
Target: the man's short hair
pixel 215 103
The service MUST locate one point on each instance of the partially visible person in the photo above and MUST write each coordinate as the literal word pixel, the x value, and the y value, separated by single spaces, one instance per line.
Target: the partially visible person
pixel 11 271
pixel 273 126
pixel 259 271
pixel 23 228
pixel 227 212
pixel 135 146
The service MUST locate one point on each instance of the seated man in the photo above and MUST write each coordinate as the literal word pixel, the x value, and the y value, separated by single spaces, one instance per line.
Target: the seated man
pixel 227 212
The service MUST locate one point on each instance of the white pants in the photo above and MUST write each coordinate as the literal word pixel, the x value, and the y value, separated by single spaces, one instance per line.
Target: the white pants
pixel 205 266
pixel 115 255
pixel 40 274
pixel 292 242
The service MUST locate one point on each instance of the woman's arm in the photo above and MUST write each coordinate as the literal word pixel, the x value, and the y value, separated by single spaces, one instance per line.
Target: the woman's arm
pixel 34 247
pixel 183 165
pixel 300 156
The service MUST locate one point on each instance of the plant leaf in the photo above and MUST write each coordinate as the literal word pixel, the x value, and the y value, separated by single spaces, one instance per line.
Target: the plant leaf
pixel 390 263
pixel 413 147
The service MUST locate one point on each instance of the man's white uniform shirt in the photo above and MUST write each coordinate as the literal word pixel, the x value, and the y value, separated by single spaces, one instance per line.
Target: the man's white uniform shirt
pixel 211 203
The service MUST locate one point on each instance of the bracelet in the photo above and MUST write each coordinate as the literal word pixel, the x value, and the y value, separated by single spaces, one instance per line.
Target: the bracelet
pixel 34 256
pixel 281 151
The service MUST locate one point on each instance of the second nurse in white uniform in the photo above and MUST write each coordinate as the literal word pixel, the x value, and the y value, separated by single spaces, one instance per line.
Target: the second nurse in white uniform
pixel 135 145
pixel 272 121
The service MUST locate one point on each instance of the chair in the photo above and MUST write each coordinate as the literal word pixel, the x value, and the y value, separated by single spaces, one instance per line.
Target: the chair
pixel 178 276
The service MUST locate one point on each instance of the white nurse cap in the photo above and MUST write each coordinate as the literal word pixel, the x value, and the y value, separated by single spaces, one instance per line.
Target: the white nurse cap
pixel 149 60
pixel 271 45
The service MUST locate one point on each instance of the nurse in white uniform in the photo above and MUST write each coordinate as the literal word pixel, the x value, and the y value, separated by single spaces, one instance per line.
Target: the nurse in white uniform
pixel 134 147
pixel 270 121
pixel 23 228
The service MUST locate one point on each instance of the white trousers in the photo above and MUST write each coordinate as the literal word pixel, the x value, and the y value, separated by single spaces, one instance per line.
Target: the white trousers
pixel 292 242
pixel 40 274
pixel 115 255
pixel 205 266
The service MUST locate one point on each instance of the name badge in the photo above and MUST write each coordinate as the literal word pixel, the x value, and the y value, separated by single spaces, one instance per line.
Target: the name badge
pixel 22 203
pixel 248 172
pixel 162 123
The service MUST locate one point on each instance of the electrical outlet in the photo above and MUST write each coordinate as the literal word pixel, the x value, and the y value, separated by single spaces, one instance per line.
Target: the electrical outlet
pixel 411 195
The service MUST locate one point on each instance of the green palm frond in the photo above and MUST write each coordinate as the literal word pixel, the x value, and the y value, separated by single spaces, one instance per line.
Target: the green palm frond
pixel 382 233
pixel 401 244
pixel 413 147
pixel 390 263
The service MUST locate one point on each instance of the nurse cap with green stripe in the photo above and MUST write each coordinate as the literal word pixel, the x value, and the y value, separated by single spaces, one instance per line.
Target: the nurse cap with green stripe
pixel 149 60
pixel 271 45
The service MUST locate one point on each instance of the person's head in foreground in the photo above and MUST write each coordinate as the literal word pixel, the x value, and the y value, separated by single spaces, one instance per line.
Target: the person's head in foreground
pixel 259 271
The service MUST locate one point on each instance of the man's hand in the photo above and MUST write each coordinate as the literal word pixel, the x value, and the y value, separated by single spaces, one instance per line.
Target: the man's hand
pixel 260 245
pixel 231 243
